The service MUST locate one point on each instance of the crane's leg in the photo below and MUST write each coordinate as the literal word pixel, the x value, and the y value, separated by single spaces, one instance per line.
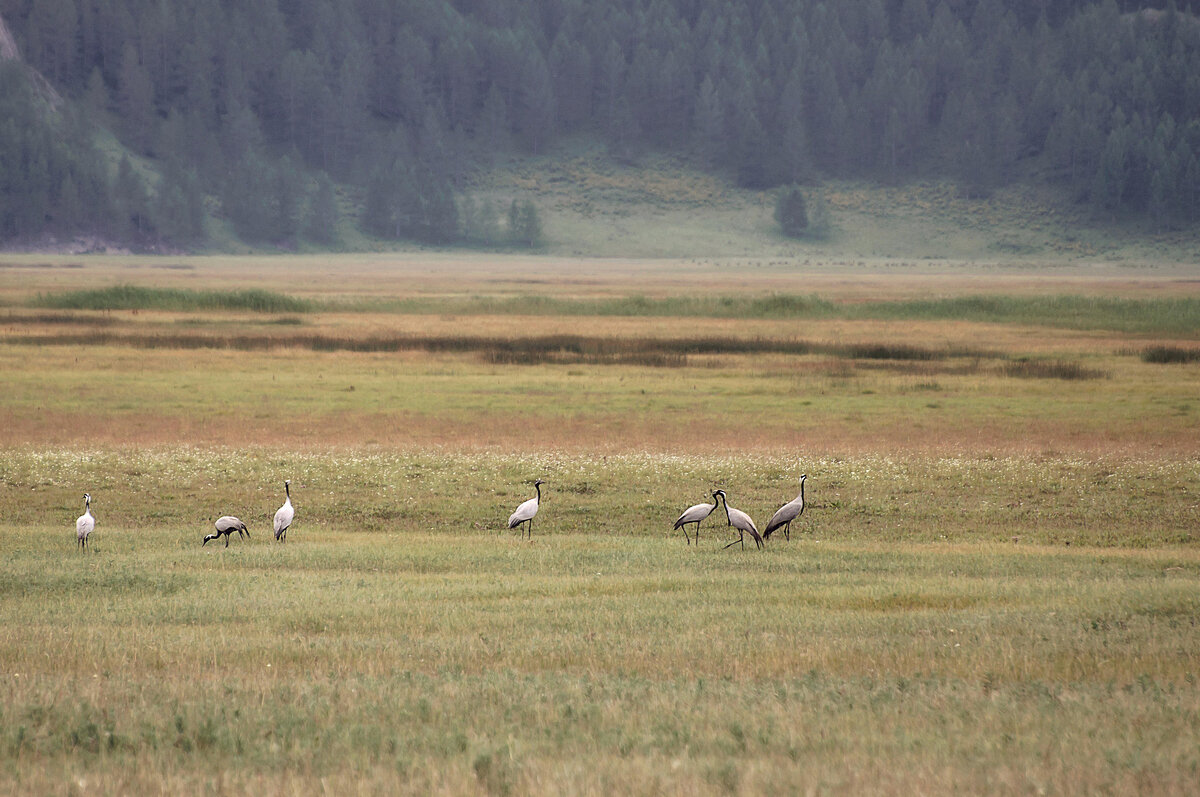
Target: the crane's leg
pixel 226 539
pixel 730 545
pixel 787 530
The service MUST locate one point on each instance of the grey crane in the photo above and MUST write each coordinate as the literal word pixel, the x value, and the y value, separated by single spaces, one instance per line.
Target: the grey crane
pixel 784 516
pixel 740 521
pixel 85 524
pixel 695 514
pixel 227 524
pixel 527 510
pixel 285 513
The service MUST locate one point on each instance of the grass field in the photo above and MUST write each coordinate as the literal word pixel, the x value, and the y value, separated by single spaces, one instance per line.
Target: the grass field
pixel 994 589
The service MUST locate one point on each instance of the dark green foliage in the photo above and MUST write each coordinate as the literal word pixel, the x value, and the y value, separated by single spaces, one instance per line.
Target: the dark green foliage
pixel 1053 369
pixel 524 224
pixel 791 212
pixel 51 180
pixel 134 297
pixel 769 92
pixel 180 206
pixel 321 226
pixel 1170 354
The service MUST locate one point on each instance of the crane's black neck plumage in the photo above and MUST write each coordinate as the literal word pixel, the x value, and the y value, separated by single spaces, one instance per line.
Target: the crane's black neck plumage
pixel 287 488
pixel 538 486
pixel 725 502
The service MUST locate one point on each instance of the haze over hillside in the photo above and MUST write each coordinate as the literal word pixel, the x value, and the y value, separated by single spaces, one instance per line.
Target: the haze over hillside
pixel 328 123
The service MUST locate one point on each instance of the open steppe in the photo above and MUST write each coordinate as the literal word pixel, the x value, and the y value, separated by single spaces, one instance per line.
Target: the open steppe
pixel 994 587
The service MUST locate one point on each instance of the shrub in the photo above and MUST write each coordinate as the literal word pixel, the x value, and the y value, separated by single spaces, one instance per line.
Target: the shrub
pixel 1170 354
pixel 791 211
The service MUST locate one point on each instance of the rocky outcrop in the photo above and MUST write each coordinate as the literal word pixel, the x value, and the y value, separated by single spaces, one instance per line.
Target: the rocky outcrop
pixel 8 45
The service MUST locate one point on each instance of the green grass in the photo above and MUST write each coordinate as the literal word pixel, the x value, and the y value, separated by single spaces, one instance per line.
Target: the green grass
pixel 134 297
pixel 404 641
pixel 993 589
pixel 1166 316
pixel 1178 316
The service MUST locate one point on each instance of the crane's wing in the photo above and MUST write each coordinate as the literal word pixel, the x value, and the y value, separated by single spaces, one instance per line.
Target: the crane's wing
pixel 524 512
pixel 229 523
pixel 283 518
pixel 694 514
pixel 742 521
pixel 784 515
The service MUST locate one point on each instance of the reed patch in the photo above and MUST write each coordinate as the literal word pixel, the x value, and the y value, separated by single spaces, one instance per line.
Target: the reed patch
pixel 1025 368
pixel 1170 354
pixel 137 297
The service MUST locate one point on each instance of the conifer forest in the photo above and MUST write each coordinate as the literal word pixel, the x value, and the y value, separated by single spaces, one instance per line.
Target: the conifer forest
pixel 138 119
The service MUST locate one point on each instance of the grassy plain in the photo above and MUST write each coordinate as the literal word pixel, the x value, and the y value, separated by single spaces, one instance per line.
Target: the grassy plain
pixel 994 589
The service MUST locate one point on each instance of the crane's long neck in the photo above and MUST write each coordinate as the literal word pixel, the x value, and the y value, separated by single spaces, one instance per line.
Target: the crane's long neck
pixel 538 487
pixel 725 502
pixel 87 504
pixel 802 492
pixel 287 488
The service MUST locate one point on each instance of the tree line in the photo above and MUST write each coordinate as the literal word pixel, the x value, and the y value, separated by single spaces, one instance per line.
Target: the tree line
pixel 263 111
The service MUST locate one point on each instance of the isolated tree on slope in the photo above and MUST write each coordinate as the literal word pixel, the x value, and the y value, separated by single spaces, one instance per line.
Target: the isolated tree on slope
pixel 791 212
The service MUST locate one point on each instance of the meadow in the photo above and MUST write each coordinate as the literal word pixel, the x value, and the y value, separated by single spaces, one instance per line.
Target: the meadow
pixel 993 589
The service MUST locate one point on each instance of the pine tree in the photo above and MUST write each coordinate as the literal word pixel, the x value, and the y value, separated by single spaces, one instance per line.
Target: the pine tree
pixel 136 101
pixel 791 212
pixel 132 202
pixel 323 213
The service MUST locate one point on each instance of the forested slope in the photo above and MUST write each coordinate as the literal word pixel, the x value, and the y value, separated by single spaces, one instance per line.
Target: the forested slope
pixel 252 111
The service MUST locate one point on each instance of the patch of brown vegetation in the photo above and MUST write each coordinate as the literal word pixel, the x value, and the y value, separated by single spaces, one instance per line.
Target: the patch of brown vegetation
pixel 598 433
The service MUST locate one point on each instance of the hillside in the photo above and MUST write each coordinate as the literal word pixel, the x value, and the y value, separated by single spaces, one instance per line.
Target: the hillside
pixel 659 206
pixel 317 124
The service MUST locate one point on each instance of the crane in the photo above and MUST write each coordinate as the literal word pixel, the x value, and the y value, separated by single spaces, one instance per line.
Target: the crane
pixel 695 514
pixel 740 521
pixel 227 524
pixel 85 524
pixel 527 510
pixel 284 515
pixel 784 516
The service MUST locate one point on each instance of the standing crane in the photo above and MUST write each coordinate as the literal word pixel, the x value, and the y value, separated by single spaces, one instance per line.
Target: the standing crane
pixel 85 524
pixel 226 525
pixel 527 510
pixel 740 521
pixel 284 515
pixel 784 516
pixel 695 514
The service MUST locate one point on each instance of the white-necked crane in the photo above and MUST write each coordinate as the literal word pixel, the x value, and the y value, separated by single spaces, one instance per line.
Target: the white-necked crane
pixel 285 513
pixel 227 524
pixel 695 514
pixel 740 521
pixel 784 516
pixel 527 510
pixel 85 524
